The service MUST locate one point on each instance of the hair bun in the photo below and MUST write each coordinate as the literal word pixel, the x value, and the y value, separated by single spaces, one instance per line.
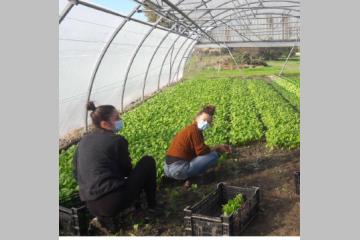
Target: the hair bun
pixel 209 109
pixel 90 106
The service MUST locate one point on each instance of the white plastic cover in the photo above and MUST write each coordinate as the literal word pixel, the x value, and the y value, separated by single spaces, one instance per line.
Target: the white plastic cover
pixel 62 5
pixel 85 31
pixel 82 35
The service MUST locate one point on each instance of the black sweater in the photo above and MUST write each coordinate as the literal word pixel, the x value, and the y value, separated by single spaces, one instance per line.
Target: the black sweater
pixel 101 162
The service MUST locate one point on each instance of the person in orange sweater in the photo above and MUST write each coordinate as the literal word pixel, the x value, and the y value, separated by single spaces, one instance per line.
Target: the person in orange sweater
pixel 188 155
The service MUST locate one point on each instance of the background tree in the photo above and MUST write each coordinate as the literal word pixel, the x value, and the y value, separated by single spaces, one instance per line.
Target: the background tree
pixel 153 16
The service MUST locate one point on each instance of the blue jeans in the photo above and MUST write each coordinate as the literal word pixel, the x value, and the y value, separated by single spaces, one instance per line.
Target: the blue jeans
pixel 181 170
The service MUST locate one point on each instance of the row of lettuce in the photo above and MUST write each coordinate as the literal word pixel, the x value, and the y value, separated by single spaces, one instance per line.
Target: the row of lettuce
pixel 246 111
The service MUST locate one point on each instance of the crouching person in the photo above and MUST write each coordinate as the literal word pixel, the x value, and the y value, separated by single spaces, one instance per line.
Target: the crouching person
pixel 108 183
pixel 188 155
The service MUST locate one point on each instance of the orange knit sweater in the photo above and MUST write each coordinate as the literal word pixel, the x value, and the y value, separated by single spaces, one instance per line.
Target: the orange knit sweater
pixel 188 144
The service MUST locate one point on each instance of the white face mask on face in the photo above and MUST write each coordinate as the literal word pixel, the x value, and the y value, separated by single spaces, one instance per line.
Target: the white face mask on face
pixel 202 125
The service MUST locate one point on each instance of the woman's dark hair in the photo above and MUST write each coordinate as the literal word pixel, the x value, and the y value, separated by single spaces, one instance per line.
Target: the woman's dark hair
pixel 209 109
pixel 100 113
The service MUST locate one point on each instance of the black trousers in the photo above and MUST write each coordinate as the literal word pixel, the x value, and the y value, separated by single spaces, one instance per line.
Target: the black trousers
pixel 142 177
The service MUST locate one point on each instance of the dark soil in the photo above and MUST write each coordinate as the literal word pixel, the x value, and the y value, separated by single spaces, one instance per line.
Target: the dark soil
pixel 252 165
pixel 242 77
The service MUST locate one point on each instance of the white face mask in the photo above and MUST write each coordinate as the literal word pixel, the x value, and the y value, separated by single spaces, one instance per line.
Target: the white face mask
pixel 202 125
pixel 119 125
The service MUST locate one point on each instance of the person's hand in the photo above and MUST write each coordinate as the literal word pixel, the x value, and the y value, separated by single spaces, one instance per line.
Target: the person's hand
pixel 223 148
pixel 217 148
pixel 226 148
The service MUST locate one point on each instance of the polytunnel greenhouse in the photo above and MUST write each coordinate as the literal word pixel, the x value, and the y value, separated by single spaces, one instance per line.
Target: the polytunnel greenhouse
pixel 159 62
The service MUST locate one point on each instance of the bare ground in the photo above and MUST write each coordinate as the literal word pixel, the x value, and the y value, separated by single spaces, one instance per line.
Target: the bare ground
pixel 252 165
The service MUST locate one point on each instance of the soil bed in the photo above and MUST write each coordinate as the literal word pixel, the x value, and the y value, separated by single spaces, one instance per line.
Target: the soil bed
pixel 251 165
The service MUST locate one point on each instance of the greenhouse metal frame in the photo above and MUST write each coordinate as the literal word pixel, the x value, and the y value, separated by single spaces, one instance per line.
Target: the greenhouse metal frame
pixel 113 58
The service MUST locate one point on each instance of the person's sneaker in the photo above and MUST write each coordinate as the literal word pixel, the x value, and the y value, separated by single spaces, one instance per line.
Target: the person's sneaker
pixel 96 229
pixel 106 225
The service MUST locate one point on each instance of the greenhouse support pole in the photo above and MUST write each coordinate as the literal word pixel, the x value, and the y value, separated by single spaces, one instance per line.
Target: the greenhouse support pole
pixel 181 59
pixel 197 26
pixel 189 55
pixel 153 55
pixel 237 65
pixel 132 60
pixel 105 10
pixel 173 6
pixel 287 58
pixel 152 58
pixel 163 62
pixel 177 53
pixel 164 14
pixel 218 68
pixel 170 60
pixel 220 58
pixel 67 9
pixel 101 57
pixel 185 56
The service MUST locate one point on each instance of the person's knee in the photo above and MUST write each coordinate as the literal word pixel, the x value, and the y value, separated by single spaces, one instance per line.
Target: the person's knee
pixel 175 171
pixel 147 160
pixel 214 155
pixel 178 176
pixel 166 171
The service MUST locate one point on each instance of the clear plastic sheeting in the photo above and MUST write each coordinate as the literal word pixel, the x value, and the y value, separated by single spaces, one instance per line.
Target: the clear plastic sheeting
pixel 135 80
pixel 83 33
pixel 240 21
pixel 188 52
pixel 62 5
pixel 113 55
pixel 153 78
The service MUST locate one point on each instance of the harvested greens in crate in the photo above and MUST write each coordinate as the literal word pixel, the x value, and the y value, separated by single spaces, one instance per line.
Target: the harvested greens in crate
pixel 206 217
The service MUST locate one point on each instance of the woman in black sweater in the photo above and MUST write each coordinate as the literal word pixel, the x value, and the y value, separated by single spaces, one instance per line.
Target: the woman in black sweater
pixel 108 183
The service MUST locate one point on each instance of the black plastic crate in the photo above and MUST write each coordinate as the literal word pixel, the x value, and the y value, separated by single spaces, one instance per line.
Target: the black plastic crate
pixel 297 182
pixel 205 218
pixel 74 217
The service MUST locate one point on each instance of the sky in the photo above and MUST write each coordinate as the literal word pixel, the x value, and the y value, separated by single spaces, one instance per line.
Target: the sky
pixel 122 6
